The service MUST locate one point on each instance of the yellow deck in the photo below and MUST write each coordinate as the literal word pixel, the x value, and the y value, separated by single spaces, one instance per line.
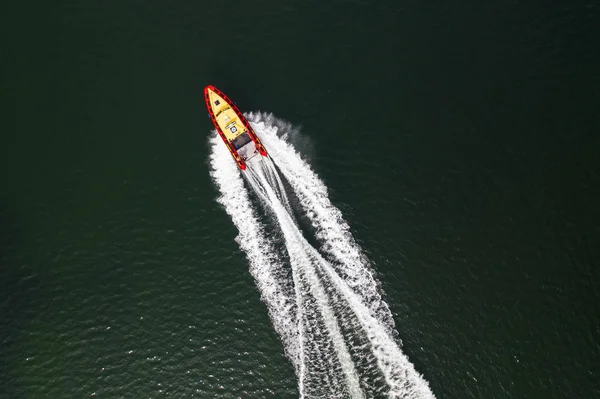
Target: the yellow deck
pixel 230 124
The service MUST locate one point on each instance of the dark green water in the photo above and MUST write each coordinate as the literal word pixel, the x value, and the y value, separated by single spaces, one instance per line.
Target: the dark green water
pixel 461 142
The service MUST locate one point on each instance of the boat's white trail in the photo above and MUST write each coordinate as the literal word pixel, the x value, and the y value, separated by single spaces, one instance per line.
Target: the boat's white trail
pixel 335 327
pixel 332 229
pixel 302 263
pixel 265 265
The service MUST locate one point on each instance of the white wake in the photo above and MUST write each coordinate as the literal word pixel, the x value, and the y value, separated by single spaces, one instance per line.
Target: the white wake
pixel 324 302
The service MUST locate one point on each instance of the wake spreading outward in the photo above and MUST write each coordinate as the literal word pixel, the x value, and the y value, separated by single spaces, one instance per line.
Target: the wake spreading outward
pixel 318 286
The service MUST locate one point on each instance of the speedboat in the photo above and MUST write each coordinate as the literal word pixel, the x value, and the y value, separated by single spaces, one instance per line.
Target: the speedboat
pixel 233 127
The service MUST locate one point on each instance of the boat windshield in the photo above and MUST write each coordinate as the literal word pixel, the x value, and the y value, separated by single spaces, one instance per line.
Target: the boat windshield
pixel 241 140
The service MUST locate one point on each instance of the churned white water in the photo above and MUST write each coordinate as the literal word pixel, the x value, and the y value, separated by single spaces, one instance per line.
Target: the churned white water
pixel 324 302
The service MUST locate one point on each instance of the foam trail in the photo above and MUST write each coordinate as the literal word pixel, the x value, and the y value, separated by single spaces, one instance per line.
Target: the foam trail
pixel 332 229
pixel 264 265
pixel 296 245
pixel 391 361
pixel 335 326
